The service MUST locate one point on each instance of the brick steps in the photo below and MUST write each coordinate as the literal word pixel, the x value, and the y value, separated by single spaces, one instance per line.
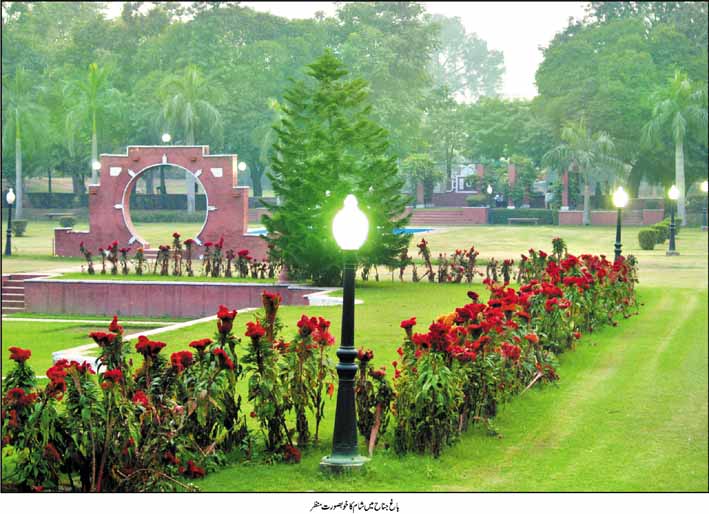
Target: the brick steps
pixel 13 292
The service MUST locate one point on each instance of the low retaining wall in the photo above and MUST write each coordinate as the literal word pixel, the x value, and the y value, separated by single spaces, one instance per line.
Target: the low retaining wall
pixel 652 216
pixel 153 299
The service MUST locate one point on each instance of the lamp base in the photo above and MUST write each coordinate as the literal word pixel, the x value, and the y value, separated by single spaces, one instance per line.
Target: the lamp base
pixel 668 253
pixel 337 464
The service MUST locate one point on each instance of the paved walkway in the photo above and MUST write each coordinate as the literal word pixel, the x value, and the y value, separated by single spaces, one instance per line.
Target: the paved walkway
pixel 45 320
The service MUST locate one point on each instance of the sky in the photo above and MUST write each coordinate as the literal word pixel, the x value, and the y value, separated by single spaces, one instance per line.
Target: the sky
pixel 518 29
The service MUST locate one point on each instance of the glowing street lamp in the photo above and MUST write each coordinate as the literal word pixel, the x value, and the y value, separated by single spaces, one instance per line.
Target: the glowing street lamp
pixel 350 228
pixel 241 166
pixel 705 190
pixel 166 138
pixel 10 198
pixel 95 165
pixel 620 200
pixel 674 195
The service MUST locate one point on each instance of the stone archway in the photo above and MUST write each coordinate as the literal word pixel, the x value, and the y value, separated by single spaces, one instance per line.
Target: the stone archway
pixel 109 210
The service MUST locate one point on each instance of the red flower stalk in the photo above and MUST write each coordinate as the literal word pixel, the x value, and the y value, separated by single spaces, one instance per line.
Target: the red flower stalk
pixel 140 398
pixel 226 319
pixel 255 331
pixel 114 376
pixel 532 338
pixel 181 360
pixel 330 389
pixel 511 351
pixel 408 325
pixel 224 361
pixel 19 355
pixel 200 344
pixel 103 339
pixel 51 453
pixel 192 470
pixel 291 454
pixel 148 348
pixel 378 373
pixel 175 235
pixel 306 325
pixel 365 355
pixel 115 327
pixel 271 302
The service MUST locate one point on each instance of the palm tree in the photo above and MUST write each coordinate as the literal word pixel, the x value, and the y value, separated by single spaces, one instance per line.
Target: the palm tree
pixel 24 120
pixel 90 99
pixel 188 108
pixel 586 153
pixel 678 108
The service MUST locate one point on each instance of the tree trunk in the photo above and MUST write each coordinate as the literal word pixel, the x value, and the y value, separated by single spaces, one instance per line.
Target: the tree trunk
pixel 18 175
pixel 679 181
pixel 94 152
pixel 256 172
pixel 77 184
pixel 586 202
pixel 150 183
pixel 49 180
pixel 189 179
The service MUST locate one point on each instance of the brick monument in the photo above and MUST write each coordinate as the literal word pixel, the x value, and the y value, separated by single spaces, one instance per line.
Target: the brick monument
pixel 109 201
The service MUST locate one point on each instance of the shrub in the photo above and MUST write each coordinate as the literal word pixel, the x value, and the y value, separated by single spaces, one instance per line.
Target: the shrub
pixel 167 216
pixel 653 203
pixel 67 221
pixel 663 232
pixel 648 238
pixel 477 200
pixel 19 226
pixel 546 216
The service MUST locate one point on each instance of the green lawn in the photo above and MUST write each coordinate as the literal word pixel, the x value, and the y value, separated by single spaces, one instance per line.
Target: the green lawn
pixel 629 413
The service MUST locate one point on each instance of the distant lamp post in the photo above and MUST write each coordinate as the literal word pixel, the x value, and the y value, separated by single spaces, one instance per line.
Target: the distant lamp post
pixel 705 190
pixel 241 166
pixel 95 165
pixel 166 138
pixel 10 198
pixel 350 228
pixel 489 195
pixel 674 195
pixel 620 200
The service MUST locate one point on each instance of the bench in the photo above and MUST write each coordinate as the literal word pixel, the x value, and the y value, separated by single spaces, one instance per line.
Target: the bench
pixel 52 215
pixel 523 220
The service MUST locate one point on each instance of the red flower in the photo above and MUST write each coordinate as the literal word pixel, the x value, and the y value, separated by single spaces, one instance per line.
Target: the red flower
pixel 226 319
pixel 532 338
pixel 397 373
pixel 19 355
pixel 243 253
pixel 170 458
pixel 181 360
pixel 175 235
pixel 103 339
pixel 139 398
pixel 511 351
pixel 37 488
pixel 271 301
pixel 114 376
pixel 400 351
pixel 255 331
pixel 330 389
pixel 200 344
pixel 365 355
pixel 408 323
pixel 306 325
pixel 193 470
pixel 473 296
pixel 577 334
pixel 115 327
pixel 148 348
pixel 378 373
pixel 189 242
pixel 291 454
pixel 224 361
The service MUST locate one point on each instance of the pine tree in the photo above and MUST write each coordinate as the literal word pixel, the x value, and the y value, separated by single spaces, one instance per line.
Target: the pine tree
pixel 326 148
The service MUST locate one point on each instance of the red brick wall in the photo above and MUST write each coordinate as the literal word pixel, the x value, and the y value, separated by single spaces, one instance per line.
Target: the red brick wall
pixel 151 299
pixel 652 216
pixel 604 217
pixel 570 217
pixel 109 209
pixel 450 199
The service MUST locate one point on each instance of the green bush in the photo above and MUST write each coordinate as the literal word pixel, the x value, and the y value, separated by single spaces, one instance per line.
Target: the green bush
pixel 477 200
pixel 546 216
pixel 19 226
pixel 647 238
pixel 67 221
pixel 160 216
pixel 652 203
pixel 663 232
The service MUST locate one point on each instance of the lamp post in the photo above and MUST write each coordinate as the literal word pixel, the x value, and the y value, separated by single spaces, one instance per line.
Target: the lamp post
pixel 10 198
pixel 350 228
pixel 166 138
pixel 620 200
pixel 705 189
pixel 673 194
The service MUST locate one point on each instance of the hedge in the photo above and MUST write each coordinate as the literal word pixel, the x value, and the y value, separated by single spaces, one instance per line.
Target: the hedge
pixel 67 221
pixel 19 226
pixel 58 200
pixel 647 238
pixel 478 200
pixel 167 216
pixel 546 216
pixel 169 201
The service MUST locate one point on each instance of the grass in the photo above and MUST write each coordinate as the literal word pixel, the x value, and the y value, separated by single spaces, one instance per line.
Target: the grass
pixel 629 413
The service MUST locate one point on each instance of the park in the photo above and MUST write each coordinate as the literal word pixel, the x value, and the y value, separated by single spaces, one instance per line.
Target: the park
pixel 286 260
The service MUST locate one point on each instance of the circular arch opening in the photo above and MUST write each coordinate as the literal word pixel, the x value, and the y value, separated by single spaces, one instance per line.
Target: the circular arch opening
pixel 156 203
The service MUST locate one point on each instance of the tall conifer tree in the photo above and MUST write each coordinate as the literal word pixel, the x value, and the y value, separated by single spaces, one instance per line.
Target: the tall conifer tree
pixel 326 148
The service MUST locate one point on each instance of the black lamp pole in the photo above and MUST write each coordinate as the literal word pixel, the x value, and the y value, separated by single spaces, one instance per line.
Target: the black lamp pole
pixel 344 441
pixel 618 244
pixel 704 212
pixel 672 250
pixel 8 240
